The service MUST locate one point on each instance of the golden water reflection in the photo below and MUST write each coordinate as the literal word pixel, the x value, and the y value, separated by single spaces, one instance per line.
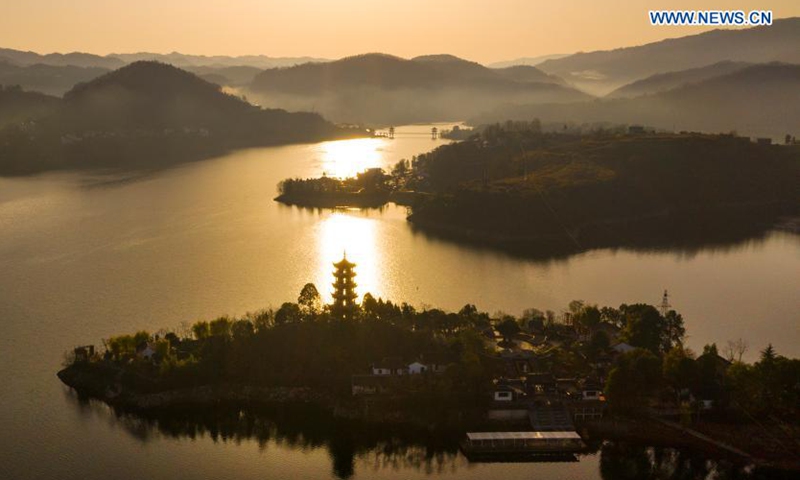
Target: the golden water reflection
pixel 346 158
pixel 356 235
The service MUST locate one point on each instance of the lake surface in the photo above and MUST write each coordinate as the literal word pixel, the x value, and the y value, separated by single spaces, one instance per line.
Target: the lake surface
pixel 83 257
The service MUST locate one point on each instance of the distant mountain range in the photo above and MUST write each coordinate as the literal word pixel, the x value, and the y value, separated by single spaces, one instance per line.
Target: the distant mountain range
pixel 183 60
pixel 667 81
pixel 601 72
pixel 49 79
pixel 722 79
pixel 75 59
pixel 755 100
pixel 379 88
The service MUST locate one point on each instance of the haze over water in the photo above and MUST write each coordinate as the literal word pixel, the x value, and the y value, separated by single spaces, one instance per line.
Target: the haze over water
pixel 85 257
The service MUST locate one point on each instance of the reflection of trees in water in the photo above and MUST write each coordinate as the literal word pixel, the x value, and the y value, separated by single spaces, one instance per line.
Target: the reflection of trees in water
pixel 396 456
pixel 622 461
pixel 295 428
pixel 386 448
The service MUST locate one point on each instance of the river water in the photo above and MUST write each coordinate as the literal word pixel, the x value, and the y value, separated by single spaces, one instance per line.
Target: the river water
pixel 83 257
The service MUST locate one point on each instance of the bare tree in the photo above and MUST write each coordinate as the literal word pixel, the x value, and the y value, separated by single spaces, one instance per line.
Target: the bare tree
pixel 735 349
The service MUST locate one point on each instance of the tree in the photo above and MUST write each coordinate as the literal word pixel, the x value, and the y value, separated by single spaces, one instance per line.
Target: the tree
pixel 679 369
pixel 201 330
pixel 644 326
pixel 598 344
pixel 674 331
pixel 587 317
pixel 635 377
pixel 508 327
pixel 242 329
pixel 221 327
pixel 309 299
pixel 369 304
pixel 735 349
pixel 288 313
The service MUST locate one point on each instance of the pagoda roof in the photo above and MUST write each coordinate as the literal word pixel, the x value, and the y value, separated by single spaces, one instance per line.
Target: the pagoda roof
pixel 344 263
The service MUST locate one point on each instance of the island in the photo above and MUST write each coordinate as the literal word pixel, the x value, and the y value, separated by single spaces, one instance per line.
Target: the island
pixel 517 187
pixel 540 383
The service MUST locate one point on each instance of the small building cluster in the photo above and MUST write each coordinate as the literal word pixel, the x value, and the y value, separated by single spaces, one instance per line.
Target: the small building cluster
pixel 391 373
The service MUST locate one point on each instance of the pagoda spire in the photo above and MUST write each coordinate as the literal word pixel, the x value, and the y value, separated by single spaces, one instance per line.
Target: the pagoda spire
pixel 344 289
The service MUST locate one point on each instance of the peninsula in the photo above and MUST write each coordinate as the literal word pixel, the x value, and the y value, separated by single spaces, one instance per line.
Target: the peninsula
pixel 619 373
pixel 520 188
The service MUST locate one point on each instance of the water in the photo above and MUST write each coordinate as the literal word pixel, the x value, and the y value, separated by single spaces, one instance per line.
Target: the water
pixel 83 257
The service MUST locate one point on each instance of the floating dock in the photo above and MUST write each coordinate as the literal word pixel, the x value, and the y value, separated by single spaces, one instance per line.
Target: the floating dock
pixel 544 444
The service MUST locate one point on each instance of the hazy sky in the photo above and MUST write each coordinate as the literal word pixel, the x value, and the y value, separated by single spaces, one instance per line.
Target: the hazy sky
pixel 481 30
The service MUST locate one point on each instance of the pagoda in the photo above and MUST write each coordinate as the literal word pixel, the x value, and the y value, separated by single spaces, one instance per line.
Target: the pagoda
pixel 344 289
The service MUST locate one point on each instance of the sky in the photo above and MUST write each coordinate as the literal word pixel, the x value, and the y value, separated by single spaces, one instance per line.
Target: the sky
pixel 480 30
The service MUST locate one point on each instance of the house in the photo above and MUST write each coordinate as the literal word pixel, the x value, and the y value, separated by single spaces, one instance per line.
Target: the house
pixel 417 368
pixel 764 141
pixel 390 366
pixel 636 129
pixel 591 391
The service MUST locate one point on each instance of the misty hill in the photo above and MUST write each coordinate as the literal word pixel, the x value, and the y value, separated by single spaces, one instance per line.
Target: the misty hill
pixel 527 73
pixel 378 88
pixel 667 81
pixel 227 76
pixel 49 79
pixel 184 60
pixel 603 71
pixel 150 114
pixel 758 100
pixel 531 61
pixel 77 59
pixel 17 105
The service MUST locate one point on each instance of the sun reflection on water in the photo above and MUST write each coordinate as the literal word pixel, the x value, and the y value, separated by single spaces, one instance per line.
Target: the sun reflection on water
pixel 342 232
pixel 346 158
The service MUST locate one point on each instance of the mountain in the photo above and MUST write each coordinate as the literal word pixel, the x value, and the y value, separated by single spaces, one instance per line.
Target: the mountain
pixel 49 79
pixel 76 59
pixel 149 115
pixel 379 88
pixel 759 100
pixel 17 105
pixel 667 81
pixel 601 72
pixel 531 61
pixel 183 60
pixel 226 76
pixel 527 73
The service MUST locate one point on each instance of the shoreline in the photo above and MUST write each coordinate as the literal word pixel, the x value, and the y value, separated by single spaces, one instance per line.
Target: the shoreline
pixel 648 431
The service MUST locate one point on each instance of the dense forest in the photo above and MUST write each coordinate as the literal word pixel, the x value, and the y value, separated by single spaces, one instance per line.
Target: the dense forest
pixel 513 184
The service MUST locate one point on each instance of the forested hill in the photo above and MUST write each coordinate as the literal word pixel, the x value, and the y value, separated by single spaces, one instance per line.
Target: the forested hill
pixel 759 100
pixel 150 114
pixel 378 88
pixel 17 105
pixel 520 185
